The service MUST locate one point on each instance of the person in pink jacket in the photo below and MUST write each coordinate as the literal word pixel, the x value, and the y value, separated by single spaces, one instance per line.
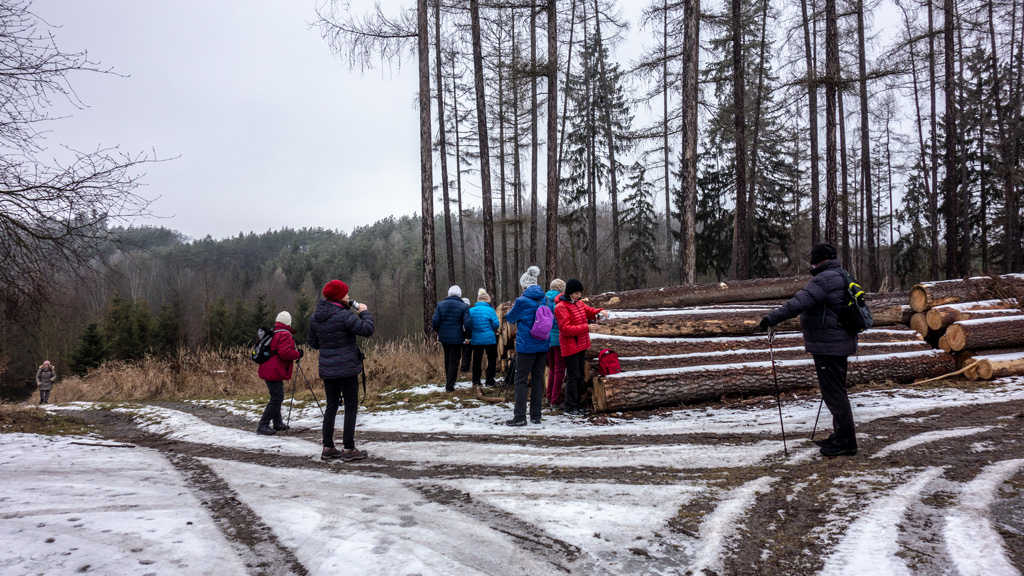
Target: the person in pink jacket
pixel 275 371
pixel 573 315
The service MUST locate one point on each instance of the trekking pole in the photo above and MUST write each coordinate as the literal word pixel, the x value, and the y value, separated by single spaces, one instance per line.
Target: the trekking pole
pixel 292 403
pixel 778 393
pixel 310 386
pixel 815 429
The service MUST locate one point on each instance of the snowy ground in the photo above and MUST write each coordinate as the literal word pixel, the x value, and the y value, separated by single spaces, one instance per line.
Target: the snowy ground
pixel 189 488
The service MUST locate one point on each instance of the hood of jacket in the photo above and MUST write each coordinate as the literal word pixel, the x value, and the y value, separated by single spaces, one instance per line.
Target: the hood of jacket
pixel 283 326
pixel 483 305
pixel 534 293
pixel 326 308
pixel 826 265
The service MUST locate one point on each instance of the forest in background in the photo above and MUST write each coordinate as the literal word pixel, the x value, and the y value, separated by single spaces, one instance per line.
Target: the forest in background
pixel 744 131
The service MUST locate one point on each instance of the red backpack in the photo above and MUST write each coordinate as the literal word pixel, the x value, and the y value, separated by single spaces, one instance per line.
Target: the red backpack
pixel 608 362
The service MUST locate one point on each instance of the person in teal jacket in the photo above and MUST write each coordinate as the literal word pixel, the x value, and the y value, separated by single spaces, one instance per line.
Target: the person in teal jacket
pixel 483 322
pixel 556 365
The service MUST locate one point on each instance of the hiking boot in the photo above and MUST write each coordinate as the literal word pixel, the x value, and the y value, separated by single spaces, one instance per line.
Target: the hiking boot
pixel 281 427
pixel 535 420
pixel 827 441
pixel 836 450
pixel 266 430
pixel 514 422
pixel 350 454
pixel 330 453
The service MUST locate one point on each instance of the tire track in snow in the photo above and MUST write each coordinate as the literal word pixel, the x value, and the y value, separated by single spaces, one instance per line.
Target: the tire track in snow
pixel 253 539
pixel 870 544
pixel 973 543
pixel 927 437
pixel 724 522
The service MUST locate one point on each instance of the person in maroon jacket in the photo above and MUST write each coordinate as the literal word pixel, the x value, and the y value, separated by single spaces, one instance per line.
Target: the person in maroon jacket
pixel 573 315
pixel 275 371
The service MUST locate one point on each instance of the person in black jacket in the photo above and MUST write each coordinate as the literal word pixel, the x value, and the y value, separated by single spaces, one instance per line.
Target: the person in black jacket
pixel 452 323
pixel 827 341
pixel 333 329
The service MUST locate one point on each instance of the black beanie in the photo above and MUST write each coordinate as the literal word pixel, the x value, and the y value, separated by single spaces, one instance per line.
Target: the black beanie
pixel 573 286
pixel 822 251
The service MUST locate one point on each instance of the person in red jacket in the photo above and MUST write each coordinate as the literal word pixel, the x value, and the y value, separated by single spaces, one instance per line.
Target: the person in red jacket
pixel 572 315
pixel 275 371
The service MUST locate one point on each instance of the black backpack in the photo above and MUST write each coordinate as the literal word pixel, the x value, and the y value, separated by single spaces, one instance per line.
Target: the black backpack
pixel 854 315
pixel 261 352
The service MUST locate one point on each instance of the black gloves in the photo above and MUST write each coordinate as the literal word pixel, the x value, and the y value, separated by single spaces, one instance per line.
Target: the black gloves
pixel 301 353
pixel 765 324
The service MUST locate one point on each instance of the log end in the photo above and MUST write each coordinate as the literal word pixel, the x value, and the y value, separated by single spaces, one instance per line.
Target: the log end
pixel 933 319
pixel 919 298
pixel 919 323
pixel 944 344
pixel 956 338
pixel 600 399
pixel 984 369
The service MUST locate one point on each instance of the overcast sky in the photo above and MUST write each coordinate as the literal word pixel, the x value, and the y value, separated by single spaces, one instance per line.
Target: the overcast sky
pixel 265 126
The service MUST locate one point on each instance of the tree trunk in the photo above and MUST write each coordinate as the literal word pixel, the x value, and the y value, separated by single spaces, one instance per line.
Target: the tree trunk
pixel 443 142
pixel 952 204
pixel 534 160
pixel 812 112
pixel 702 294
pixel 458 172
pixel 503 160
pixel 608 92
pixel 831 79
pixel 865 152
pixel 691 71
pixel 741 225
pixel 551 250
pixel 933 199
pixel 791 351
pixel 627 346
pixel 426 170
pixel 941 317
pixel 844 175
pixel 931 294
pixel 485 156
pixel 634 390
pixel 1004 332
pixel 755 137
pixel 933 266
pixel 664 135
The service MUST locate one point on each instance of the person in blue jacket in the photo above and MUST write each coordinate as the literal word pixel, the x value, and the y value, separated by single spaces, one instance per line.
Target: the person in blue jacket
pixel 531 353
pixel 485 322
pixel 451 322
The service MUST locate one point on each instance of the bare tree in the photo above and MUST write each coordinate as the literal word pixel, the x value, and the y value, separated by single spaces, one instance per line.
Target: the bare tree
pixel 485 157
pixel 952 204
pixel 741 227
pixel 54 213
pixel 443 144
pixel 812 105
pixel 551 252
pixel 691 70
pixel 865 149
pixel 831 81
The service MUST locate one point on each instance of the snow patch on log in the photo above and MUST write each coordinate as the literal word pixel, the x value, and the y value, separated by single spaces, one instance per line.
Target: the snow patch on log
pixel 927 437
pixel 872 541
pixel 724 522
pixel 741 351
pixel 972 306
pixel 973 543
pixel 778 364
pixel 1008 357
pixel 978 321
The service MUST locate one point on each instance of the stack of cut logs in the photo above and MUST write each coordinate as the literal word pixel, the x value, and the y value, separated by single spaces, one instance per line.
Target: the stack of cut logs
pixel 978 321
pixel 695 343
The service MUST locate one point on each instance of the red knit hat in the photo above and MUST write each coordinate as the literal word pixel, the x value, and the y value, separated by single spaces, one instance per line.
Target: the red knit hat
pixel 335 290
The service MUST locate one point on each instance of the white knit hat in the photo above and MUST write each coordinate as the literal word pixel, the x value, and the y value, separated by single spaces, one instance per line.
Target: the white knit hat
pixel 285 318
pixel 455 291
pixel 529 278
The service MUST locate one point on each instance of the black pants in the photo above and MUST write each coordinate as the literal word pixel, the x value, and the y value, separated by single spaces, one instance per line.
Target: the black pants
pixel 478 358
pixel 452 357
pixel 831 372
pixel 336 389
pixel 272 413
pixel 574 367
pixel 44 396
pixel 467 357
pixel 529 376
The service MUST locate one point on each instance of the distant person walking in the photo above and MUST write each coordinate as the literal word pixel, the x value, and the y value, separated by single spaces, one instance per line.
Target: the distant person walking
pixel 45 377
pixel 826 340
pixel 483 340
pixel 451 321
pixel 556 364
pixel 573 317
pixel 275 371
pixel 333 329
pixel 531 352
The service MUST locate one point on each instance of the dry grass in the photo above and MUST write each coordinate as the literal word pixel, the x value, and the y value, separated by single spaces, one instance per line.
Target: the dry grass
pixel 35 420
pixel 229 373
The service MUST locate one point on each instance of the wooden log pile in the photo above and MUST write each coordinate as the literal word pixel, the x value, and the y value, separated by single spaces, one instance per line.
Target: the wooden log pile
pixel 976 321
pixel 696 343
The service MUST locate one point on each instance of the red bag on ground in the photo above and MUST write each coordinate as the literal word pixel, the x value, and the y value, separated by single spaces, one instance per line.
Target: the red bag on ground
pixel 608 362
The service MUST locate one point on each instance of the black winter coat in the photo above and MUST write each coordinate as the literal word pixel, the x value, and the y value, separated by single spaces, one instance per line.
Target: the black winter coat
pixel 452 321
pixel 816 304
pixel 333 328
